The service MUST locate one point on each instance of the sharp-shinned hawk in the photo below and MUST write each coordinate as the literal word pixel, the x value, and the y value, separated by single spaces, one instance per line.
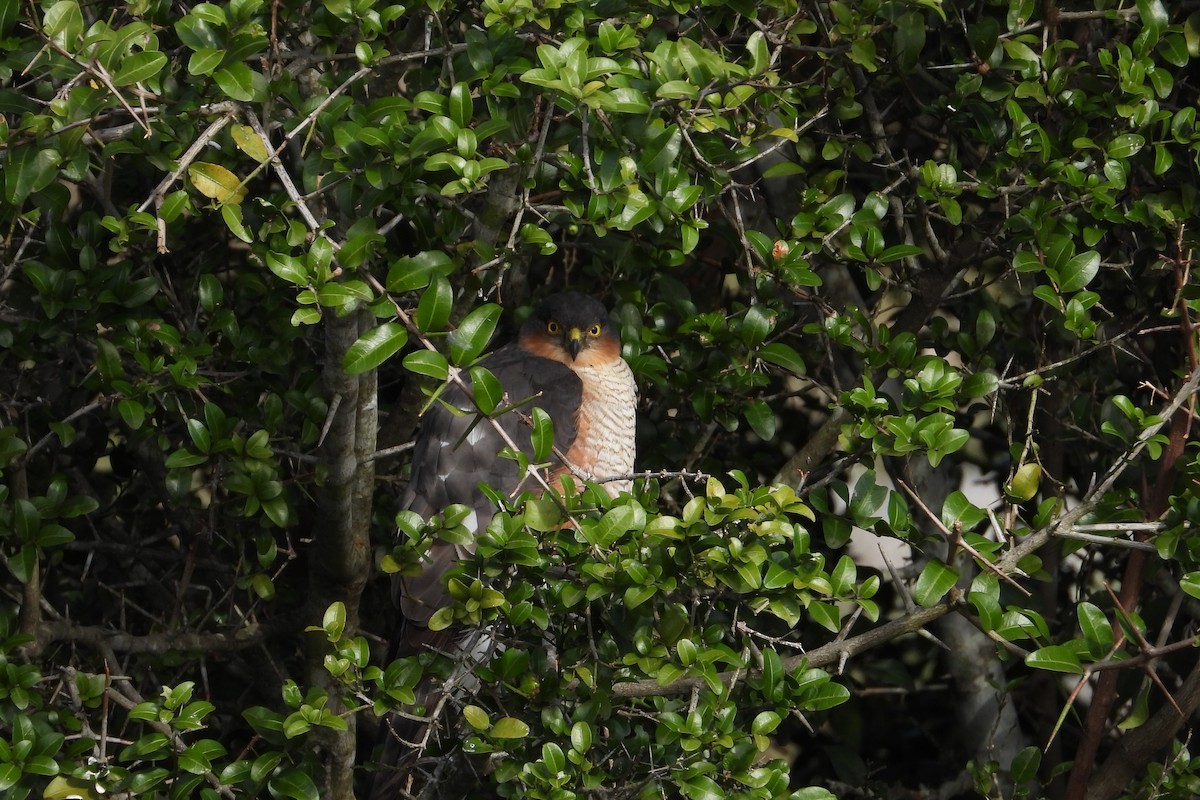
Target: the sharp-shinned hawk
pixel 567 361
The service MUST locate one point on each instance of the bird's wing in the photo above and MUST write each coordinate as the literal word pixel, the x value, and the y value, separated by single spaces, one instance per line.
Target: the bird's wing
pixel 455 453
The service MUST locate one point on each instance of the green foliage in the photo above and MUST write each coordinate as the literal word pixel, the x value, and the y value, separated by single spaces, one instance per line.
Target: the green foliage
pixel 965 226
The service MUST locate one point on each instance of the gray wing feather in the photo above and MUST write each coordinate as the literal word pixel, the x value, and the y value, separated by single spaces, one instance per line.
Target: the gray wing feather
pixel 455 453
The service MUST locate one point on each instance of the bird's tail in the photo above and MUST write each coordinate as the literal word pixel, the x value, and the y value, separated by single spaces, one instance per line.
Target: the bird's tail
pixel 409 745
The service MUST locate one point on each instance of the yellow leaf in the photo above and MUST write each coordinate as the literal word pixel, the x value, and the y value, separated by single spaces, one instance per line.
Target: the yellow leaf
pixel 1025 483
pixel 213 180
pixel 249 142
pixel 476 717
pixel 64 787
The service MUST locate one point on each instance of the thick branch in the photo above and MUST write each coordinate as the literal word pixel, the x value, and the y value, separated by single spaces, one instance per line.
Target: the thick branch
pixel 249 635
pixel 1136 749
pixel 341 547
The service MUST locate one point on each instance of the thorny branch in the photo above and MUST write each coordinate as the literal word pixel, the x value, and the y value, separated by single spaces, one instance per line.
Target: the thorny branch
pixel 918 619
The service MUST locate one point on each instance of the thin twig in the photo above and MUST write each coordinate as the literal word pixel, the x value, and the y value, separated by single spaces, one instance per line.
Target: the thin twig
pixel 1069 520
pixel 209 133
pixel 958 539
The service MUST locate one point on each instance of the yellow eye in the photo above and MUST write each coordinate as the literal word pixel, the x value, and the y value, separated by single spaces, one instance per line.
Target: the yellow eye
pixel 553 327
pixel 594 330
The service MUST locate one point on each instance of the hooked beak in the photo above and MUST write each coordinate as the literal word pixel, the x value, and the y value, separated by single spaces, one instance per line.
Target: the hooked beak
pixel 574 342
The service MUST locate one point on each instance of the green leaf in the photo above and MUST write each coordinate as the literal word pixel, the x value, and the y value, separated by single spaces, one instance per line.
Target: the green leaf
pixel 321 256
pixel 909 39
pixel 1140 711
pixel 1190 583
pixel 25 519
pixel 1026 261
pixel 765 722
pixel 232 216
pixel 826 615
pixel 1055 658
pixel 581 737
pixel 1078 272
pixel 183 458
pixel 8 16
pixel 772 673
pixel 760 54
pixel 1154 18
pixel 411 273
pixel 700 787
pixel 1125 145
pixel 437 301
pixel 615 523
pixel 761 418
pixel 636 595
pixel 140 67
pixel 41 765
pixel 509 728
pixel 825 696
pixel 64 23
pixel 108 360
pixel 864 53
pixel 542 514
pixel 374 347
pixel 486 389
pixel 553 757
pixel 211 13
pixel 677 90
pixel 959 511
pixel 196 33
pixel 542 436
pixel 782 355
pixel 334 620
pixel 757 323
pixel 172 207
pixel 295 784
pixel 236 81
pixel 1097 632
pixel 288 267
pixel 1191 35
pixel 844 575
pixel 197 758
pixel 29 168
pixel 813 793
pixel 935 580
pixel 782 169
pixel 1025 766
pixel 1025 483
pixel 205 60
pixel 952 209
pixel 442 618
pixel 898 252
pixel 473 334
pixel 625 100
pixel 981 384
pixel 476 717
pixel 427 362
pixel 460 107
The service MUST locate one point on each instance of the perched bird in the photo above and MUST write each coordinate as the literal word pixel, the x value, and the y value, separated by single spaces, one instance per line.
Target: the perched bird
pixel 567 361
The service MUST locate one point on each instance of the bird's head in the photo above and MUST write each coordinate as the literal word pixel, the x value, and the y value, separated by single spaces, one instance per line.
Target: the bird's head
pixel 572 328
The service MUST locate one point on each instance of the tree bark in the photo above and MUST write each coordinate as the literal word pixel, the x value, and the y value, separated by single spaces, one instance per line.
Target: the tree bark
pixel 1138 747
pixel 340 555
